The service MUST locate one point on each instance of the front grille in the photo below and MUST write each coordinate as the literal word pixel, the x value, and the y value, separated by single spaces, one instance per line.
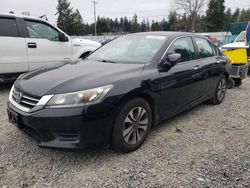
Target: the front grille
pixel 24 99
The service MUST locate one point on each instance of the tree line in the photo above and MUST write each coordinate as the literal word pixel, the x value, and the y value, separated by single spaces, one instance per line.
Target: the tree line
pixel 216 18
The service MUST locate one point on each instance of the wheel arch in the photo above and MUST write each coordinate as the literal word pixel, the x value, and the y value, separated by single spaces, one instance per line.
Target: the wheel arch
pixel 85 54
pixel 149 99
pixel 85 49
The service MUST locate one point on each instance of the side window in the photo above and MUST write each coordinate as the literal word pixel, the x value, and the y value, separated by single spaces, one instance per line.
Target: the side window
pixel 214 48
pixel 185 47
pixel 204 48
pixel 41 30
pixel 8 27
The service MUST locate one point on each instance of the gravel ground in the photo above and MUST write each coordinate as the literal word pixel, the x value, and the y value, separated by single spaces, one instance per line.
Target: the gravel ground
pixel 207 146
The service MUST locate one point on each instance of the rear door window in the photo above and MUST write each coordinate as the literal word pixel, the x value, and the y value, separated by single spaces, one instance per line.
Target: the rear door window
pixel 204 48
pixel 8 27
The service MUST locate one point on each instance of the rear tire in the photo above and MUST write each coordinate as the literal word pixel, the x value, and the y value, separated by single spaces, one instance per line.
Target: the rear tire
pixel 230 83
pixel 132 125
pixel 220 91
pixel 238 82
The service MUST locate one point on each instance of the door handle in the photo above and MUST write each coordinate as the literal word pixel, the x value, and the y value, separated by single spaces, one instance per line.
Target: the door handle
pixel 32 45
pixel 197 67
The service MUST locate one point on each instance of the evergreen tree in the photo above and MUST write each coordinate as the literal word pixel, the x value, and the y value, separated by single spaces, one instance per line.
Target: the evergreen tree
pixel 228 19
pixel 143 26
pixel 127 27
pixel 78 26
pixel 215 15
pixel 69 21
pixel 148 28
pixel 236 15
pixel 156 26
pixel 135 25
pixel 172 20
pixel 165 25
pixel 182 23
pixel 245 15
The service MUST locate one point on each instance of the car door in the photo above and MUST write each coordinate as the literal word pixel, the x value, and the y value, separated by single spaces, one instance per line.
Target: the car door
pixel 212 65
pixel 13 54
pixel 180 85
pixel 44 46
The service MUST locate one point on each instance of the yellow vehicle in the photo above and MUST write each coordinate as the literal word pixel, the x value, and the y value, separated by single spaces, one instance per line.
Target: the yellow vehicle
pixel 238 54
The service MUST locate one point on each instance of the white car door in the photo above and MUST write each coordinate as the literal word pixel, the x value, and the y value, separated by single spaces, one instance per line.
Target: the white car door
pixel 44 45
pixel 13 54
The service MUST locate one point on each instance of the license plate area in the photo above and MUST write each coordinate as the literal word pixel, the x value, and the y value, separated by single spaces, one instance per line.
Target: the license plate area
pixel 13 117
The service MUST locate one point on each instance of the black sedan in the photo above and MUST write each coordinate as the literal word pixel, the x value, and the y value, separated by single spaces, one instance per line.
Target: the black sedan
pixel 119 92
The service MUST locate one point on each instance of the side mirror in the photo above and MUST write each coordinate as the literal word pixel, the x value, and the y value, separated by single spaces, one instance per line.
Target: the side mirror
pixel 63 37
pixel 171 60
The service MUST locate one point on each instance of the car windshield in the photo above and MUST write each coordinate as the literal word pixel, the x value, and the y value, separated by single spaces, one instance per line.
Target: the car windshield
pixel 130 49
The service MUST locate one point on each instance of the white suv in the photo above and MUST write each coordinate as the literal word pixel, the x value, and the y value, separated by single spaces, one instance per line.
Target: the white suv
pixel 28 43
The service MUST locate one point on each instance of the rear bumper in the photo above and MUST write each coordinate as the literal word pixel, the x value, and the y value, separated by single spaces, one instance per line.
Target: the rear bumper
pixel 74 128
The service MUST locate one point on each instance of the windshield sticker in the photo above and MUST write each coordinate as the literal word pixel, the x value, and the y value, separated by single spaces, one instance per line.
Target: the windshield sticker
pixel 155 37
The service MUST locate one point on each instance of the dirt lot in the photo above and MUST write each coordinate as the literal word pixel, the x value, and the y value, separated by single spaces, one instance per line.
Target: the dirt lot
pixel 208 146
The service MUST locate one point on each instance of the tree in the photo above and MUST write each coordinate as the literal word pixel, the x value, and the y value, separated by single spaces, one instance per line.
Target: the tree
pixel 156 26
pixel 165 25
pixel 245 15
pixel 228 19
pixel 216 9
pixel 135 25
pixel 148 26
pixel 172 20
pixel 127 26
pixel 192 8
pixel 181 24
pixel 236 15
pixel 78 26
pixel 143 25
pixel 69 21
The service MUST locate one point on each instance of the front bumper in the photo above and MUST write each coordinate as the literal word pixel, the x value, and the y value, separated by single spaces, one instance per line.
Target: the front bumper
pixel 74 128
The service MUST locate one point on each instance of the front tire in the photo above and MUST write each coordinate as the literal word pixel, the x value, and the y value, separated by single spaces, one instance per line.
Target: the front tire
pixel 132 125
pixel 220 91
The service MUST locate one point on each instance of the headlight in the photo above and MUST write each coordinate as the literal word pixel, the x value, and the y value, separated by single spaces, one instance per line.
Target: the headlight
pixel 81 98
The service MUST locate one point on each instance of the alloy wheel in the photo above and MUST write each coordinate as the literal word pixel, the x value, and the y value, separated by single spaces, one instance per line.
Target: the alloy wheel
pixel 135 125
pixel 221 90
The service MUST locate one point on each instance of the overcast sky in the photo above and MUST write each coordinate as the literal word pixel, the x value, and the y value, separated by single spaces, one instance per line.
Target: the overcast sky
pixel 152 9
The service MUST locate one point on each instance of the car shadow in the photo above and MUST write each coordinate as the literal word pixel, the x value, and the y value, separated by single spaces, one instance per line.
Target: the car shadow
pixel 5 86
pixel 171 122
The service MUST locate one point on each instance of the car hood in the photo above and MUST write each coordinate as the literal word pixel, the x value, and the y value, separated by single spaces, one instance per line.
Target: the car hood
pixel 85 42
pixel 77 76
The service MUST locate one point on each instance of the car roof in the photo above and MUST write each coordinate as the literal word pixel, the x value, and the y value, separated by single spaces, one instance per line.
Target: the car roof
pixel 168 33
pixel 10 15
